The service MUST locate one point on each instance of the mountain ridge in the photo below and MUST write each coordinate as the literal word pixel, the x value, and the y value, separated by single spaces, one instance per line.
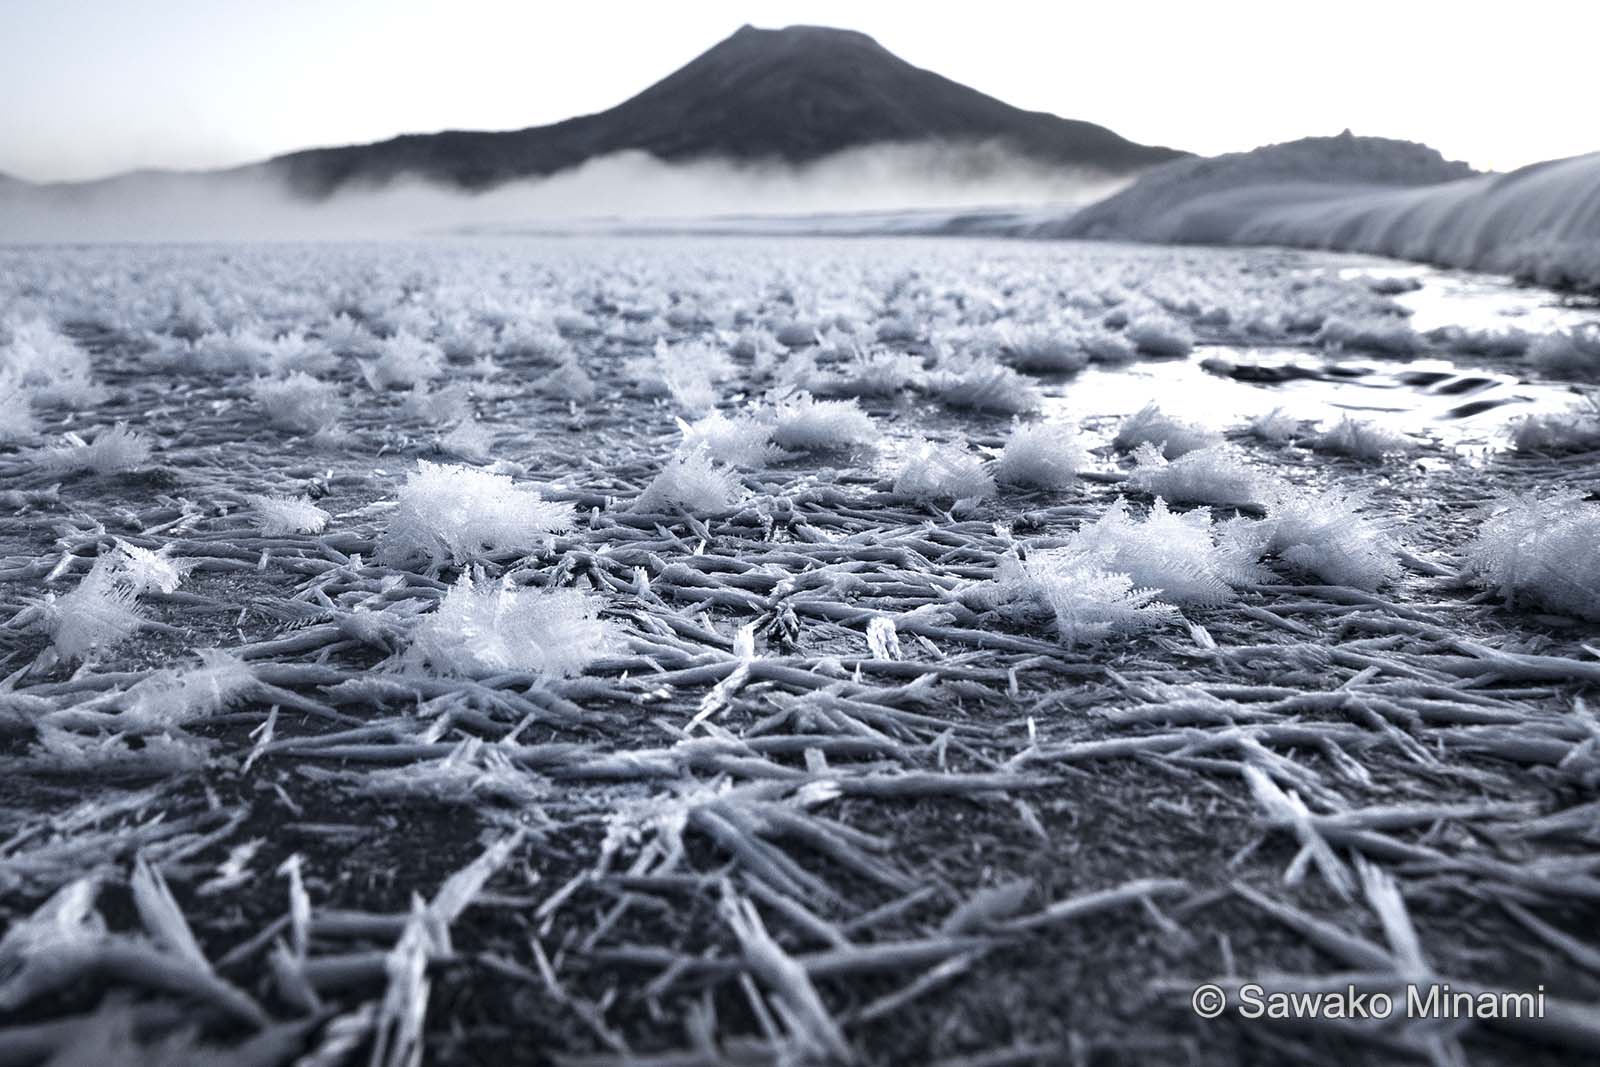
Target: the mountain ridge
pixel 791 95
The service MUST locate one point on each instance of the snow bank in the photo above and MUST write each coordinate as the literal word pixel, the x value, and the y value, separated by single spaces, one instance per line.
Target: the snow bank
pixel 1540 223
pixel 1366 194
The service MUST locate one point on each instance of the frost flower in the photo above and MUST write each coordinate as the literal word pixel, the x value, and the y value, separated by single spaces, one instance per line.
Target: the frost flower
pixel 943 472
pixel 449 514
pixel 481 630
pixel 1046 455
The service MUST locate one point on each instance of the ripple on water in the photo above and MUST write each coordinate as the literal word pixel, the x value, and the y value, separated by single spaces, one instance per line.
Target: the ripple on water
pixel 1456 405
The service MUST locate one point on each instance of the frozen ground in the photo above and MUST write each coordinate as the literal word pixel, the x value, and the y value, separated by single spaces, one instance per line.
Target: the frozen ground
pixel 780 651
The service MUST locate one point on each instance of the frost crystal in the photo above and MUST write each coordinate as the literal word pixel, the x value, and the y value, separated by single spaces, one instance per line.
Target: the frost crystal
pixel 1186 558
pixel 1323 534
pixel 472 441
pixel 480 630
pixel 744 441
pixel 1387 335
pixel 569 381
pixel 1217 475
pixel 113 450
pixel 881 374
pixel 686 372
pixel 1574 353
pixel 1275 426
pixel 1043 454
pixel 1149 425
pixel 470 774
pixel 279 515
pixel 144 570
pixel 1577 430
pixel 804 424
pixel 1045 349
pixel 1361 440
pixel 452 514
pixel 1106 347
pixel 47 365
pixel 437 406
pixel 691 481
pixel 99 614
pixel 298 403
pixel 1087 601
pixel 943 472
pixel 171 698
pixel 1542 550
pixel 1160 335
pixel 403 360
pixel 16 409
pixel 984 385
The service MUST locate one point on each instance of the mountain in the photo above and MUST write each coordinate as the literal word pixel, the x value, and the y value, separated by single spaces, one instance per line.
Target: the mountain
pixel 796 94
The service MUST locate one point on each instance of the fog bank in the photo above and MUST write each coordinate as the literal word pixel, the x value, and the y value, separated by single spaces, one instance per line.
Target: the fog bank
pixel 254 204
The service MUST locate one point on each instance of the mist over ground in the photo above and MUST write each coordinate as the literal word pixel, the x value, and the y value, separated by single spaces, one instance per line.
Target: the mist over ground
pixel 255 204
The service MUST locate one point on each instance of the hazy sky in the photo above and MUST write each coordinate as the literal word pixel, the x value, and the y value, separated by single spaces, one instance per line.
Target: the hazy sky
pixel 97 86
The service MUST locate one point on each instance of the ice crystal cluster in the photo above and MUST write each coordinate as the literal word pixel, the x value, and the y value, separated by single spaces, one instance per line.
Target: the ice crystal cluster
pixel 17 420
pixel 692 481
pixel 1042 455
pixel 1576 430
pixel 1324 534
pixel 250 350
pixel 870 374
pixel 276 516
pixel 802 423
pixel 437 406
pixel 1542 551
pixel 742 441
pixel 1385 335
pixel 1158 334
pixel 1573 353
pixel 483 628
pixel 943 472
pixel 1045 349
pixel 1274 427
pixel 451 515
pixel 113 450
pixel 1078 593
pixel 298 403
pixel 44 365
pixel 403 361
pixel 1187 557
pixel 688 373
pixel 981 384
pixel 1361 439
pixel 173 697
pixel 469 774
pixel 145 570
pixel 1175 437
pixel 1217 475
pixel 1120 574
pixel 102 610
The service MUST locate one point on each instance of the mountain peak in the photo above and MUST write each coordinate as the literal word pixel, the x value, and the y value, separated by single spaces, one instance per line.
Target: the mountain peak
pixel 795 94
pixel 750 34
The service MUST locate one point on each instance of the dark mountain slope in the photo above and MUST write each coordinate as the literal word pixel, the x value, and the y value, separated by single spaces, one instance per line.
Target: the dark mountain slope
pixel 795 94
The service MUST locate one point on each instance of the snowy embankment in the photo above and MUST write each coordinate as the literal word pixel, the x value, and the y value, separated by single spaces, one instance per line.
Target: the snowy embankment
pixel 1540 223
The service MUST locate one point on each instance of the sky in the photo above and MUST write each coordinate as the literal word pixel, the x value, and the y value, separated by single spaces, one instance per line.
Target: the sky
pixel 94 87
